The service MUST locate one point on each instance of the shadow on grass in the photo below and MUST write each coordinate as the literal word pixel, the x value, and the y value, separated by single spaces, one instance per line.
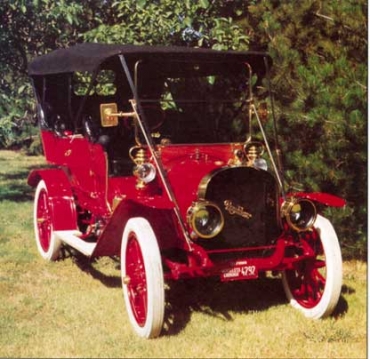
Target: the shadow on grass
pixel 342 306
pixel 211 297
pixel 218 300
pixel 208 295
pixel 14 186
pixel 86 265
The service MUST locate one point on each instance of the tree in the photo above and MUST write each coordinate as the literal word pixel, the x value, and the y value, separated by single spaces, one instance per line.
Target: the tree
pixel 320 83
pixel 28 29
pixel 183 23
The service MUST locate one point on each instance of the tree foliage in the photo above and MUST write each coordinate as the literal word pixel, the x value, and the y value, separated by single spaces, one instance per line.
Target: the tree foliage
pixel 189 23
pixel 319 76
pixel 28 29
pixel 320 83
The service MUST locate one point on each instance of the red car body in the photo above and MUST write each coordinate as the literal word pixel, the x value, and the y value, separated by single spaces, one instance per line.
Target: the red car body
pixel 118 176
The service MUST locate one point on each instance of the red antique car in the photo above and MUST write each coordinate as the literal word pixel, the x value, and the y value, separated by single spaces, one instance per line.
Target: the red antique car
pixel 161 156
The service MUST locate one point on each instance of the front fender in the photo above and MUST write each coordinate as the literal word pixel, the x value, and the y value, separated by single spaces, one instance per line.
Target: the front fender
pixel 324 198
pixel 60 196
pixel 162 220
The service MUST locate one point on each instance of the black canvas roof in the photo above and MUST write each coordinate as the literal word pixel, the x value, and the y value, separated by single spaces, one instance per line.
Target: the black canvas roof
pixel 88 56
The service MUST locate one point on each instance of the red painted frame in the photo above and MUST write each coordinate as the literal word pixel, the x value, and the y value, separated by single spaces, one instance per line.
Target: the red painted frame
pixel 186 165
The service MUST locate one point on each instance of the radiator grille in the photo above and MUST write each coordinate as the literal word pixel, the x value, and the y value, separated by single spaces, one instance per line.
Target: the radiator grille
pixel 251 218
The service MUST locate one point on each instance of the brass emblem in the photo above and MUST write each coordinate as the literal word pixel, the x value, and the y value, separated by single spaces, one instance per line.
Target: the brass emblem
pixel 239 210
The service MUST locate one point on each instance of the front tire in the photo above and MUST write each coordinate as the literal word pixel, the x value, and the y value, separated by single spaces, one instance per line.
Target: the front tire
pixel 314 287
pixel 47 243
pixel 142 278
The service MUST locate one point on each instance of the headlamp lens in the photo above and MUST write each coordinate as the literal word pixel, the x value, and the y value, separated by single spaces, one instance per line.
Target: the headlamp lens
pixel 299 213
pixel 206 219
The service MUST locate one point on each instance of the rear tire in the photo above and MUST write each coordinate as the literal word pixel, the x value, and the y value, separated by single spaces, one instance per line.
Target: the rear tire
pixel 142 278
pixel 47 243
pixel 314 287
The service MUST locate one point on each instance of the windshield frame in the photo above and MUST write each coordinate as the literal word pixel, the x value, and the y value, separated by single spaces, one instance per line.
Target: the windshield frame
pixel 238 72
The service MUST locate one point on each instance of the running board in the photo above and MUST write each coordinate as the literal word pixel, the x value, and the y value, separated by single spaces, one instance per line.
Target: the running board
pixel 71 238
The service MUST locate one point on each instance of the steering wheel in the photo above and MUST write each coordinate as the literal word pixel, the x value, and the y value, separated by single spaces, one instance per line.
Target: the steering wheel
pixel 154 115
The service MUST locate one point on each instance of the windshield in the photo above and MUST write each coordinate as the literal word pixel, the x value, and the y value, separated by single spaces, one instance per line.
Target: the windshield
pixel 195 102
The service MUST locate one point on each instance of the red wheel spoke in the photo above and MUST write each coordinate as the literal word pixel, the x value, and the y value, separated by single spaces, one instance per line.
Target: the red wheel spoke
pixel 307 282
pixel 137 286
pixel 319 264
pixel 142 278
pixel 318 279
pixel 43 221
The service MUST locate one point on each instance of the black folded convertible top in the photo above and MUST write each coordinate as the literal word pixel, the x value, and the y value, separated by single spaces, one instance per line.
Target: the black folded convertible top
pixel 88 56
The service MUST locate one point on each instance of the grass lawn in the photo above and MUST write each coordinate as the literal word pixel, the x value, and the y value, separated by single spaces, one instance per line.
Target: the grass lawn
pixel 74 308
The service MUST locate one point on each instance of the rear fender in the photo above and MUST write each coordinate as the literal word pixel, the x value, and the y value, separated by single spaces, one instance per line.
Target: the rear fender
pixel 162 220
pixel 323 198
pixel 60 197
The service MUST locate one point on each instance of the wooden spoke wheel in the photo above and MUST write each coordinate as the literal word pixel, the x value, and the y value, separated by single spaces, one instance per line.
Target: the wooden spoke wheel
pixel 315 285
pixel 47 244
pixel 142 278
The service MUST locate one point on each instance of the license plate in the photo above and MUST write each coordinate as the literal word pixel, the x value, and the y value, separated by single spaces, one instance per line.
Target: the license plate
pixel 239 273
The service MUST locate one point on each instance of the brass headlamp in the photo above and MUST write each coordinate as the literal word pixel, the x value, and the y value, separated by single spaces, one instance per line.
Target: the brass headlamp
pixel 300 213
pixel 205 218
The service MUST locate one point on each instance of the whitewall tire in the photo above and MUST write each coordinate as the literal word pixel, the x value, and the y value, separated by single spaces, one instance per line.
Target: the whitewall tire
pixel 314 288
pixel 142 278
pixel 47 243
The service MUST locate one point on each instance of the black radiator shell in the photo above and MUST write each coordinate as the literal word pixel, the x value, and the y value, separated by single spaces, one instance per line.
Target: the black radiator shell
pixel 254 192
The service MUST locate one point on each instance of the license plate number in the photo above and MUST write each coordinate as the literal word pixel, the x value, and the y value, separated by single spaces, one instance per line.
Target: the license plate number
pixel 238 273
